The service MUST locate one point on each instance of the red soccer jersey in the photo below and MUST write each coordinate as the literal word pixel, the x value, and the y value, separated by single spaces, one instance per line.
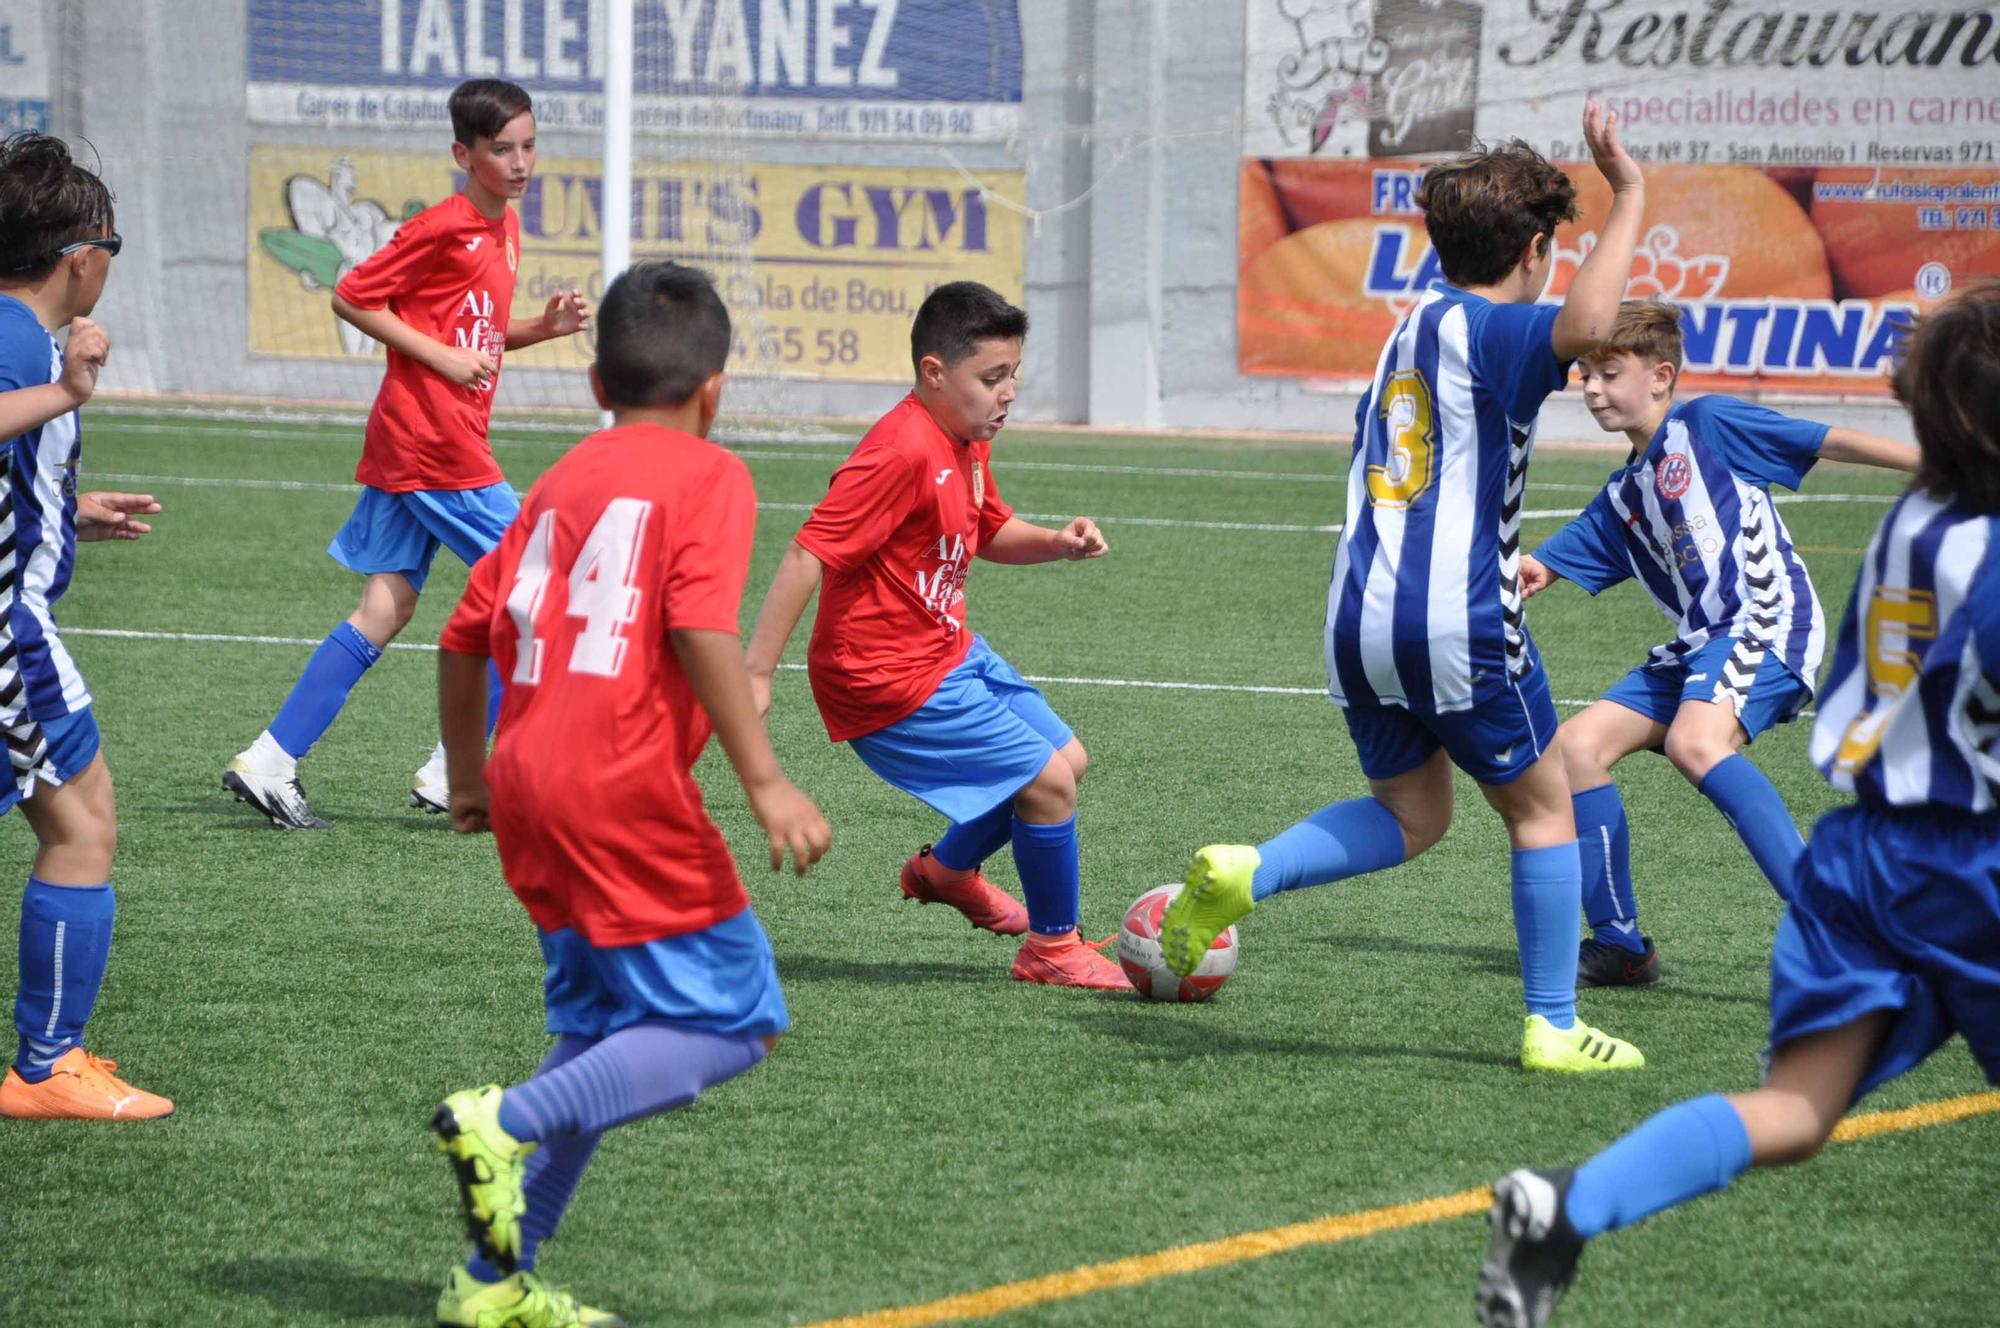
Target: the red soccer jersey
pixel 449 273
pixel 639 531
pixel 896 531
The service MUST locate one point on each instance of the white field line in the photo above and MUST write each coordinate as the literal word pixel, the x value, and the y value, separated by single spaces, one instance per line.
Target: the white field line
pixel 1136 684
pixel 1160 522
pixel 790 453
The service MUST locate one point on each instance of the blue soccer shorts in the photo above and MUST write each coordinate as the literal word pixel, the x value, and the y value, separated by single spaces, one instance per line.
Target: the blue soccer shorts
pixel 1897 910
pixel 1495 741
pixel 73 743
pixel 400 532
pixel 1775 695
pixel 719 980
pixel 982 737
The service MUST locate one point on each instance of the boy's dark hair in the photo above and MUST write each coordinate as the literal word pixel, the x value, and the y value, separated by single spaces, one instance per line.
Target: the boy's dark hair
pixel 957 316
pixel 1649 329
pixel 481 108
pixel 662 332
pixel 1948 376
pixel 47 200
pixel 1484 208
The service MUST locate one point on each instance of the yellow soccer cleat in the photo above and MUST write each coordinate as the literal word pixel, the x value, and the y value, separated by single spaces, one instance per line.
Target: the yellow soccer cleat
pixel 489 1164
pixel 519 1300
pixel 1216 894
pixel 1578 1049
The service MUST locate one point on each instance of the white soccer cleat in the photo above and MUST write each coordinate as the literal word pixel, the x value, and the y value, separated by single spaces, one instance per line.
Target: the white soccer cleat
pixel 429 791
pixel 277 794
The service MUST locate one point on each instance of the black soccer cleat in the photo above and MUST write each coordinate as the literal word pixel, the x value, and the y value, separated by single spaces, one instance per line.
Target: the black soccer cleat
pixel 1602 964
pixel 1532 1254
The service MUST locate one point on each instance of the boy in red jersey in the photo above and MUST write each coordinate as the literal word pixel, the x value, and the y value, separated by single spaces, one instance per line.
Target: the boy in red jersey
pixel 926 704
pixel 611 607
pixel 440 297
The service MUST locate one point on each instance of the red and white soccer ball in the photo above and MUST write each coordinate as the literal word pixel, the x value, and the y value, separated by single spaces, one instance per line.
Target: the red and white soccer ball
pixel 1140 956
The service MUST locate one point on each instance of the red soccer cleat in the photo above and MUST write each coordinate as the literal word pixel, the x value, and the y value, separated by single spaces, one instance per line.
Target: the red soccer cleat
pixel 1074 964
pixel 983 903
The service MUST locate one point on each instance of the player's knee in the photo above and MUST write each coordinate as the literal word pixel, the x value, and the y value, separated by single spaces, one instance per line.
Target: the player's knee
pixel 771 1041
pixel 1051 796
pixel 1587 757
pixel 1079 759
pixel 1693 753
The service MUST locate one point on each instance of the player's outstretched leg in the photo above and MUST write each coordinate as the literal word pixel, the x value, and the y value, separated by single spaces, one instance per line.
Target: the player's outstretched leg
pixel 1532 1252
pixel 1216 894
pixel 1225 881
pixel 489 1164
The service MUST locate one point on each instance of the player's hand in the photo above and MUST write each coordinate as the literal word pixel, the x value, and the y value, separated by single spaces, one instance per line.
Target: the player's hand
pixel 83 356
pixel 1600 131
pixel 466 367
pixel 1082 539
pixel 468 809
pixel 108 516
pixel 567 313
pixel 1535 577
pixel 760 692
pixel 792 823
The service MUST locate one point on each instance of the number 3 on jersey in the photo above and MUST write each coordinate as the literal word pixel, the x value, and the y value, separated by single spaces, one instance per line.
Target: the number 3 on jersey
pixel 1411 464
pixel 600 591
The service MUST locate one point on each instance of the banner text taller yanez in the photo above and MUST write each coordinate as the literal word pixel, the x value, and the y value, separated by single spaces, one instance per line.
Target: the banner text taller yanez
pixel 1817 173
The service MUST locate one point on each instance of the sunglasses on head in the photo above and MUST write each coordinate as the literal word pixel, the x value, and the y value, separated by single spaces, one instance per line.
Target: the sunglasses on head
pixel 110 244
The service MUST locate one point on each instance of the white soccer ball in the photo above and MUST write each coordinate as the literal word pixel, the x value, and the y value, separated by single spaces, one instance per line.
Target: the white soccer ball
pixel 1139 953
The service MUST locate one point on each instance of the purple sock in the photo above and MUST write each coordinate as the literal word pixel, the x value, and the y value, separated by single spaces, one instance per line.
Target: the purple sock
pixel 636 1072
pixel 553 1171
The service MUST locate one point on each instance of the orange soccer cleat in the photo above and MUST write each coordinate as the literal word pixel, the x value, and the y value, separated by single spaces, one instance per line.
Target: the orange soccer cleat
pixel 983 903
pixel 1074 963
pixel 80 1086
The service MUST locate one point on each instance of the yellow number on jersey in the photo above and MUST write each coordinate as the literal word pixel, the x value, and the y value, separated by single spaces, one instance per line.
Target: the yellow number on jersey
pixel 1896 617
pixel 1406 406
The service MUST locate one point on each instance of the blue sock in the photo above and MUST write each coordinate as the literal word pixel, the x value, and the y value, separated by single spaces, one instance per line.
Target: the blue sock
pixel 1605 842
pixel 1680 1154
pixel 969 843
pixel 1743 794
pixel 1547 888
pixel 65 945
pixel 636 1072
pixel 1340 840
pixel 322 689
pixel 552 1173
pixel 496 691
pixel 1051 871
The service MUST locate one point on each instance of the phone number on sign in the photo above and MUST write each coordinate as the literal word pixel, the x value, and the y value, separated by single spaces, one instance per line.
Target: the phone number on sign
pixel 820 348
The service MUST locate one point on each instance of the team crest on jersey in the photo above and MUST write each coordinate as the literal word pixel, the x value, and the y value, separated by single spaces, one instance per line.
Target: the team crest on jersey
pixel 1674 476
pixel 978 485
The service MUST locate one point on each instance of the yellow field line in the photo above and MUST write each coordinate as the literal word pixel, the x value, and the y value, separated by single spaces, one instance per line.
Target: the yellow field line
pixel 1330 1230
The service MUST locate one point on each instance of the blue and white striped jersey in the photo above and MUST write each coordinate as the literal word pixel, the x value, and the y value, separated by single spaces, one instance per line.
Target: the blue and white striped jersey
pixel 1911 712
pixel 38 681
pixel 1425 607
pixel 1691 517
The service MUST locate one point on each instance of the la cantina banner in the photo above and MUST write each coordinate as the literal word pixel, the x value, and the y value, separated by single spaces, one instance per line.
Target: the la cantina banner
pixel 1817 173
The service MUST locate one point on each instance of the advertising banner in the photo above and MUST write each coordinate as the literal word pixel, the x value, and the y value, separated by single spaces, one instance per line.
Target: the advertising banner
pixel 27 67
pixel 822 267
pixel 910 70
pixel 1817 173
